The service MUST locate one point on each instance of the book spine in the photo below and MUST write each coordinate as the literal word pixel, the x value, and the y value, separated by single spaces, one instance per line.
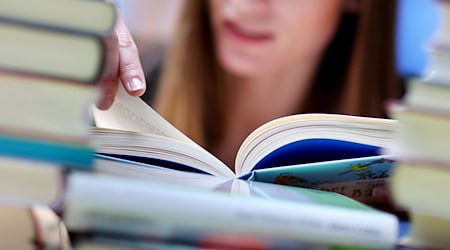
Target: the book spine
pixel 119 205
pixel 32 182
pixel 414 140
pixel 427 231
pixel 413 182
pixel 18 17
pixel 70 155
pixel 9 72
pixel 47 58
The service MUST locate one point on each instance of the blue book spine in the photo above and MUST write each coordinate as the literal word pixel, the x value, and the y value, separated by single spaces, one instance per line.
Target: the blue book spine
pixel 69 155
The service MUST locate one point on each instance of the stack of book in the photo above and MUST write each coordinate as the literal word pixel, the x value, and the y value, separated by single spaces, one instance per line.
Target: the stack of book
pixel 52 54
pixel 421 178
pixel 51 60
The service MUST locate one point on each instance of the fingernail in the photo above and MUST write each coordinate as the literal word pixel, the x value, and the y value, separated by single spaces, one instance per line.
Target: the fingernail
pixel 135 84
pixel 105 102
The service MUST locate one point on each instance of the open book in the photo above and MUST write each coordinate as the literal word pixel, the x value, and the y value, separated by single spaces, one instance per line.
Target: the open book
pixel 132 130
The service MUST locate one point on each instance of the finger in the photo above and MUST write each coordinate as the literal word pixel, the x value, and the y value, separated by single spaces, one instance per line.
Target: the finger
pixel 109 88
pixel 109 81
pixel 130 69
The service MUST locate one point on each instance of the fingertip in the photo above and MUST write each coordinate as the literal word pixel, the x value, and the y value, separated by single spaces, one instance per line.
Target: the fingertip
pixel 105 102
pixel 135 86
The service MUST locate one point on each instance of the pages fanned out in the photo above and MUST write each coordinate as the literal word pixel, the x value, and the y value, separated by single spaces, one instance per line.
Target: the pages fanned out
pixel 131 128
pixel 133 114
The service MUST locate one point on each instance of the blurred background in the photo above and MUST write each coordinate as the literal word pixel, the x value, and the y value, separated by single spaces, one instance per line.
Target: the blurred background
pixel 151 23
pixel 416 21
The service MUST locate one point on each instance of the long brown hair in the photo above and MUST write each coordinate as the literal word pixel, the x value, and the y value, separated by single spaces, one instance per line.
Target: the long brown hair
pixel 356 75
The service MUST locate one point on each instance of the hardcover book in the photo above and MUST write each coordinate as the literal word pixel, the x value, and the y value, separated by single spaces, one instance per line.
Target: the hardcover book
pixel 46 108
pixel 122 206
pixel 62 39
pixel 81 16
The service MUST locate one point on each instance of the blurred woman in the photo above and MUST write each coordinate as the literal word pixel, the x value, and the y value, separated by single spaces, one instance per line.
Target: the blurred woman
pixel 236 64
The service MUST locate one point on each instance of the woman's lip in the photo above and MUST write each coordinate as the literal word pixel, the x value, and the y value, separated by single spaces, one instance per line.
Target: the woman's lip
pixel 246 35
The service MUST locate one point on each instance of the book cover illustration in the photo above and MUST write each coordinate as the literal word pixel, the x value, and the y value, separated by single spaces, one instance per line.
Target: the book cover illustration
pixel 355 178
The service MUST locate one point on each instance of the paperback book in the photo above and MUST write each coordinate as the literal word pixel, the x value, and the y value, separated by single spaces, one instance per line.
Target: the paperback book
pixel 298 145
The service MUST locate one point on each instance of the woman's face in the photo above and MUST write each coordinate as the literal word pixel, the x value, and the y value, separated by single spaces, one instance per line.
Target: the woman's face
pixel 253 37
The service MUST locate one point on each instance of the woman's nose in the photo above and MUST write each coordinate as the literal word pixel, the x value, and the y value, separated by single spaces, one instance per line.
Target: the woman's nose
pixel 247 8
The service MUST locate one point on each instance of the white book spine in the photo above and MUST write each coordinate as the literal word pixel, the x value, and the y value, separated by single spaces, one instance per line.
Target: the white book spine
pixel 129 206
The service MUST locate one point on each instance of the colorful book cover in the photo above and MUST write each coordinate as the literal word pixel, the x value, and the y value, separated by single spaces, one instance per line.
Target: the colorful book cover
pixel 355 178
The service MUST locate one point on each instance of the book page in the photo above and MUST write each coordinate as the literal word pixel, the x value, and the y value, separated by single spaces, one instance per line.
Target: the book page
pixel 152 173
pixel 138 130
pixel 130 113
pixel 289 130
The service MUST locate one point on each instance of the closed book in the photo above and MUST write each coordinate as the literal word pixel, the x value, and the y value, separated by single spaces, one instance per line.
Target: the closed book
pixel 79 155
pixel 32 182
pixel 423 134
pixel 46 107
pixel 427 95
pixel 81 16
pixel 118 205
pixel 64 55
pixel 56 38
pixel 414 181
pixel 420 187
pixel 426 231
pixel 356 178
pixel 188 240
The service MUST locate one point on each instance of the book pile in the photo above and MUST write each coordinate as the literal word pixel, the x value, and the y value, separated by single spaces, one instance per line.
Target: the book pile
pixel 52 55
pixel 421 179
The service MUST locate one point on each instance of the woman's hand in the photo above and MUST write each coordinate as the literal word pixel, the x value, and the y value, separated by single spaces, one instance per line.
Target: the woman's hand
pixel 122 66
